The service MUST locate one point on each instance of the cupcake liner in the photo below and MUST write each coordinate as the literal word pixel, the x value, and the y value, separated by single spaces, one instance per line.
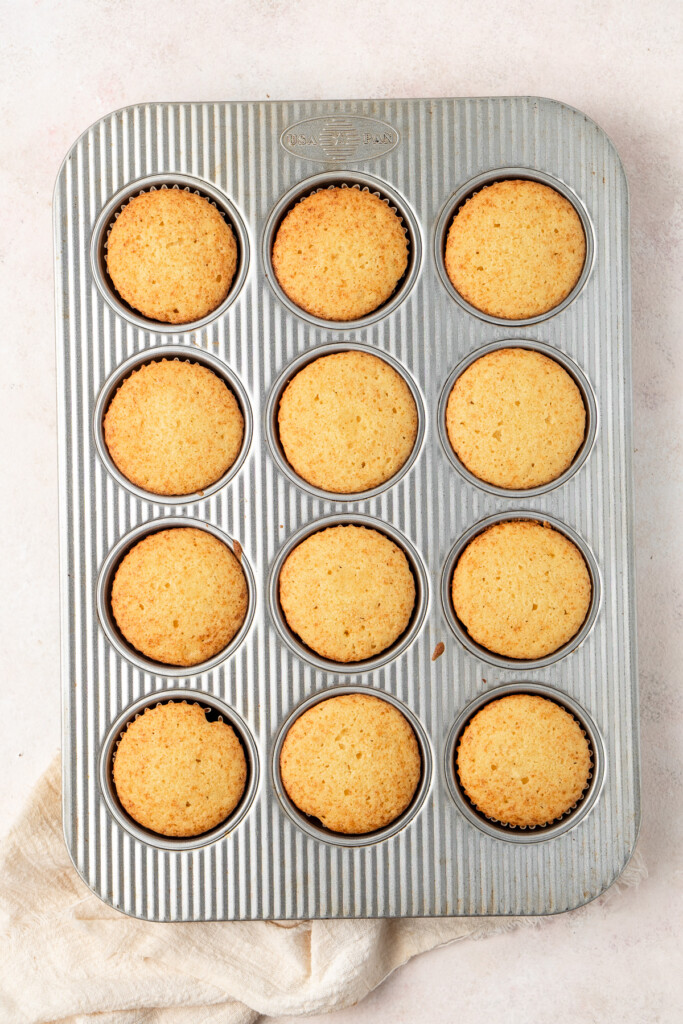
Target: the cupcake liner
pixel 273 433
pixel 311 825
pixel 521 829
pixel 110 626
pixel 164 188
pixel 359 188
pixel 576 373
pixel 476 185
pixel 401 643
pixel 215 711
pixel 384 199
pixel 212 715
pixel 362 183
pixel 112 211
pixel 158 354
pixel 504 661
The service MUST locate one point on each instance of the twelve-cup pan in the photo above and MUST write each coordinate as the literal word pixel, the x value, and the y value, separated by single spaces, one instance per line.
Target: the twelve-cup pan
pixel 425 575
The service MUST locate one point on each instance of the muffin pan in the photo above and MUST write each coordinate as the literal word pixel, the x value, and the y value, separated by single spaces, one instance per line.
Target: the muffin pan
pixel 267 861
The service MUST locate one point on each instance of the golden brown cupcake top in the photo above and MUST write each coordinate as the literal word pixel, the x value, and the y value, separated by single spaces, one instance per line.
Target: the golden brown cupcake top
pixel 171 255
pixel 179 596
pixel 515 249
pixel 339 253
pixel 347 422
pixel 523 760
pixel 347 592
pixel 351 761
pixel 173 427
pixel 515 418
pixel 521 589
pixel 176 773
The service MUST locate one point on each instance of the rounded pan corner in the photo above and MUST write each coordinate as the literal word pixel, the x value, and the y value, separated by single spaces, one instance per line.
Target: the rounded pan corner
pixel 550 101
pixel 74 863
pixel 614 880
pixel 75 144
pixel 130 913
pixel 80 871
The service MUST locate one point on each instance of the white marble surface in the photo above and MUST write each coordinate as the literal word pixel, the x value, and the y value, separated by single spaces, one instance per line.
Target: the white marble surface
pixel 63 65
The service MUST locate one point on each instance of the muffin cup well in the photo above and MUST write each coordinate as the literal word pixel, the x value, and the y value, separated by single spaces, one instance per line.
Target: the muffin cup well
pixel 400 644
pixel 589 402
pixel 345 179
pixel 105 222
pixel 106 615
pixel 490 656
pixel 273 434
pixel 531 833
pixel 475 185
pixel 311 826
pixel 216 710
pixel 190 354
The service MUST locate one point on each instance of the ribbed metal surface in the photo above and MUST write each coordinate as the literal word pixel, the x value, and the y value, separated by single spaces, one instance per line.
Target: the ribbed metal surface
pixel 439 863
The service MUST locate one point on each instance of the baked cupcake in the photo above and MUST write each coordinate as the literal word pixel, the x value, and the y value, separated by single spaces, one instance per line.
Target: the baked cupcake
pixel 176 773
pixel 352 762
pixel 171 255
pixel 521 589
pixel 347 422
pixel 340 253
pixel 173 427
pixel 348 592
pixel 515 418
pixel 523 761
pixel 179 596
pixel 515 249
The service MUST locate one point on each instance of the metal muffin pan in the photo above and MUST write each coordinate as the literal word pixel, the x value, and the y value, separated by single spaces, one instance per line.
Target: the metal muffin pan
pixel 254 161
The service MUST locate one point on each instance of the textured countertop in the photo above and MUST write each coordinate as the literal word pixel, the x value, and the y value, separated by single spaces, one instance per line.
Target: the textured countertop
pixel 63 66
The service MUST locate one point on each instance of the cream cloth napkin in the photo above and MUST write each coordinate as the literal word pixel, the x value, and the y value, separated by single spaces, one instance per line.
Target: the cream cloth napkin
pixel 66 956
